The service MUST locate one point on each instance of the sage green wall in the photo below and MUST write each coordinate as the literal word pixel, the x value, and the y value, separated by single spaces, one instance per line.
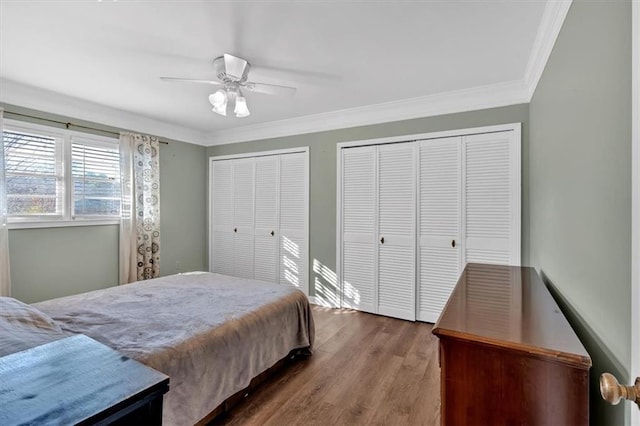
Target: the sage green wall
pixel 322 171
pixel 55 262
pixel 580 184
pixel 183 208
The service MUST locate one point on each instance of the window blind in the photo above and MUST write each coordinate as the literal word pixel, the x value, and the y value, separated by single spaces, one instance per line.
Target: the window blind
pixel 33 179
pixel 95 171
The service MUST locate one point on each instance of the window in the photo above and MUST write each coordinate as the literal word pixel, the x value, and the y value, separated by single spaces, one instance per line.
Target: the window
pixel 55 177
pixel 95 174
pixel 33 174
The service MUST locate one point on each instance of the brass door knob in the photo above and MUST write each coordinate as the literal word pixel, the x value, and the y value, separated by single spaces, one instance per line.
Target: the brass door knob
pixel 613 392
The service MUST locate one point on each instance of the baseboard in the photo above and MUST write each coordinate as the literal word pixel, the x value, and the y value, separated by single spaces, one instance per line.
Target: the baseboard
pixel 320 302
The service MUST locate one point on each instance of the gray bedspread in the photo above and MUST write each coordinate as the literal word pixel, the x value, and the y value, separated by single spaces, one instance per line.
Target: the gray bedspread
pixel 210 333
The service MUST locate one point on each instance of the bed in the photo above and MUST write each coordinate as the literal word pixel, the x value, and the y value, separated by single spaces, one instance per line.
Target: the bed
pixel 210 333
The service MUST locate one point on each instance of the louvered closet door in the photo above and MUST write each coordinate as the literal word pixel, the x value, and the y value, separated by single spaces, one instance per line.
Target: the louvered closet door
pixel 396 230
pixel 222 235
pixel 266 219
pixel 243 204
pixel 293 221
pixel 490 186
pixel 439 220
pixel 359 200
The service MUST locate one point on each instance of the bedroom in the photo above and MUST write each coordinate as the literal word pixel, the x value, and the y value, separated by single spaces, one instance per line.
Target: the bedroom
pixel 576 190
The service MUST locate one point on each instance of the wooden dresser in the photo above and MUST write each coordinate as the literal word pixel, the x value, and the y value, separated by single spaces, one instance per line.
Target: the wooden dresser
pixel 507 353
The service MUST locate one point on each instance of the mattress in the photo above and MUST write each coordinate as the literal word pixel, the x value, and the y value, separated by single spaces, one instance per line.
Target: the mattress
pixel 210 333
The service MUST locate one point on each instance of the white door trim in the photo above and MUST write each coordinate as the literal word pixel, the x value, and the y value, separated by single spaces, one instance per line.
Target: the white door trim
pixel 260 153
pixel 432 135
pixel 307 212
pixel 516 176
pixel 634 370
pixel 339 243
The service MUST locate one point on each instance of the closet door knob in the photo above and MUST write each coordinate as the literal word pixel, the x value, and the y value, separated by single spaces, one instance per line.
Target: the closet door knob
pixel 382 240
pixel 235 229
pixel 272 233
pixel 453 243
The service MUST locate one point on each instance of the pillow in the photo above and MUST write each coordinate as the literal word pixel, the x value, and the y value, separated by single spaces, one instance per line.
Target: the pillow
pixel 22 327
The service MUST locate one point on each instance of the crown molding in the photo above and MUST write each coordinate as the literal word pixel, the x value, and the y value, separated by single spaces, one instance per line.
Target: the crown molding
pixel 553 17
pixel 14 93
pixel 495 95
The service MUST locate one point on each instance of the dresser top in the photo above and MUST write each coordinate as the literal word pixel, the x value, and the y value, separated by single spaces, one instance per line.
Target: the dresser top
pixel 510 306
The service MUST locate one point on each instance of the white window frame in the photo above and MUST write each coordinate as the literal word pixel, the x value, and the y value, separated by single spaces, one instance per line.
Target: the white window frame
pixel 59 169
pixel 89 140
pixel 65 138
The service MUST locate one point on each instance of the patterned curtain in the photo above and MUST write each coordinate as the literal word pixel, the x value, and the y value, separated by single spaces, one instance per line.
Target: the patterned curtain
pixel 140 224
pixel 5 274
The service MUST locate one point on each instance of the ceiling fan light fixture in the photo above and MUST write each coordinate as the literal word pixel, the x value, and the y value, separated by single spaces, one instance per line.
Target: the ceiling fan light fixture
pixel 232 73
pixel 241 109
pixel 219 101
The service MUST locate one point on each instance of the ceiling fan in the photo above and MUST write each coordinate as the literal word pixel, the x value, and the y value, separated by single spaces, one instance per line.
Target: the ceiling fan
pixel 232 73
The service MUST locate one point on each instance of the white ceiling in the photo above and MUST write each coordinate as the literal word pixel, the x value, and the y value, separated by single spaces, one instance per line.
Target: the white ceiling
pixel 339 54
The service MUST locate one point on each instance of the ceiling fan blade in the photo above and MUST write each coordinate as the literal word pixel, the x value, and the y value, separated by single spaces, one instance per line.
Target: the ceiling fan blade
pixel 234 66
pixel 191 80
pixel 270 89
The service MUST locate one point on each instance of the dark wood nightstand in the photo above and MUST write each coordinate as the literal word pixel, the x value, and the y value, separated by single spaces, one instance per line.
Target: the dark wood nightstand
pixel 77 380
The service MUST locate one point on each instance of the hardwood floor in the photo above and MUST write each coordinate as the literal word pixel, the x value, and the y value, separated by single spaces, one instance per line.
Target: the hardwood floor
pixel 366 369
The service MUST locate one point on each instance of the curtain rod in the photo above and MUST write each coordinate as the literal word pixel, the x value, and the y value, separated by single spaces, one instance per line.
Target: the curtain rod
pixel 68 124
